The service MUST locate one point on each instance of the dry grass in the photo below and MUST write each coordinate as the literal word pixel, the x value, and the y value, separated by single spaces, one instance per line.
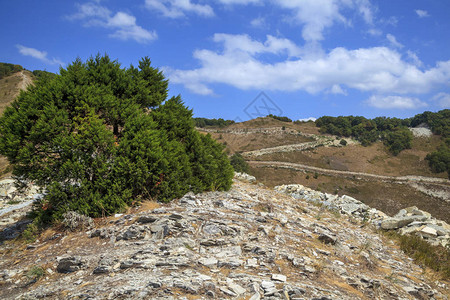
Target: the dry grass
pixel 385 196
pixel 255 141
pixel 373 159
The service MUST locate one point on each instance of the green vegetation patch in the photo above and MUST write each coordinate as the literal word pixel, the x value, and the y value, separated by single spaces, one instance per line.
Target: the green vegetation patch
pixel 9 69
pixel 434 257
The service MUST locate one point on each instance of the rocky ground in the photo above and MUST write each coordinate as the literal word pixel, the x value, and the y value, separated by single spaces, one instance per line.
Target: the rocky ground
pixel 248 243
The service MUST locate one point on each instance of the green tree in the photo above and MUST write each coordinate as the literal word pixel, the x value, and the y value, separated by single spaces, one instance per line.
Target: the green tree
pixel 239 164
pixel 398 140
pixel 97 137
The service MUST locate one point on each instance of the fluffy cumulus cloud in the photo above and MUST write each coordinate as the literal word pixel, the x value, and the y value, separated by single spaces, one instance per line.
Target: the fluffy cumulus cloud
pixel 178 8
pixel 395 102
pixel 317 15
pixel 285 67
pixel 422 13
pixel 122 24
pixel 41 55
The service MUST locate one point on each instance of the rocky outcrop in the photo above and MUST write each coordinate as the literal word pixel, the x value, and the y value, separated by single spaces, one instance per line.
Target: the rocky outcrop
pixel 248 243
pixel 410 220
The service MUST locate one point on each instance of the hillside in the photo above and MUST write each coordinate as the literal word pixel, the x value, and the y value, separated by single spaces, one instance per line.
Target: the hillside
pixel 286 152
pixel 248 243
pixel 10 87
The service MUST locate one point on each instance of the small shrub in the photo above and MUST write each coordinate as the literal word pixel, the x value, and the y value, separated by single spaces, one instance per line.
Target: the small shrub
pixel 316 175
pixel 307 176
pixel 239 164
pixel 35 273
pixel 343 142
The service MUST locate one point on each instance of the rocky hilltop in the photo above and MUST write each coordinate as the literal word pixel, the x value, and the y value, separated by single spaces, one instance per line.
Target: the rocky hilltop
pixel 251 242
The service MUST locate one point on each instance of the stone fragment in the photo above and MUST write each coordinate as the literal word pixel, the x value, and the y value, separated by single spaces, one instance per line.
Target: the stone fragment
pixel 209 262
pixel 279 277
pixel 231 263
pixel 69 264
pixel 227 292
pixel 428 232
pixel 102 270
pixel 234 287
pixel 73 220
pixel 146 219
pixel 252 262
pixel 394 223
pixel 327 238
pixel 255 296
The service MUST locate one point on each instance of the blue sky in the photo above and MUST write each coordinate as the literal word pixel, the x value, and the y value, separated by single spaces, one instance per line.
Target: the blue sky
pixel 238 59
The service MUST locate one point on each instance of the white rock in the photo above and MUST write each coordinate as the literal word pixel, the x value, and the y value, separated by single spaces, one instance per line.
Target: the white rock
pixel 428 232
pixel 252 262
pixel 209 262
pixel 279 277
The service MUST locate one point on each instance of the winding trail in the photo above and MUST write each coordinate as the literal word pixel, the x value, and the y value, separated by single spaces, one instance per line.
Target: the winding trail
pixel 441 186
pixel 359 175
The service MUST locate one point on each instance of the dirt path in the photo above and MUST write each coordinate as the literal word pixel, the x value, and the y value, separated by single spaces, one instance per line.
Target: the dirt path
pixel 408 178
pixel 26 81
pixel 416 182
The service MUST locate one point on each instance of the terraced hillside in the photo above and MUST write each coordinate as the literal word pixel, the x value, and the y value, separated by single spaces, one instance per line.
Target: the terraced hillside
pixel 284 152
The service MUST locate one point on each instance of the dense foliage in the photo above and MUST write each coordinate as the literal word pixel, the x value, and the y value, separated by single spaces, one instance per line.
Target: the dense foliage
pixel 43 74
pixel 439 123
pixel 98 137
pixel 392 131
pixel 9 69
pixel 203 122
pixel 239 164
pixel 279 118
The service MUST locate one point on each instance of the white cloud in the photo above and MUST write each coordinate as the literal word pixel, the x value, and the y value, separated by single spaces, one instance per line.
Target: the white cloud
pixel 241 2
pixel 395 102
pixel 123 24
pixel 414 58
pixel 337 89
pixel 443 100
pixel 379 69
pixel 422 13
pixel 393 41
pixel 317 15
pixel 41 55
pixel 307 119
pixel 259 22
pixel 375 32
pixel 178 8
pixel 234 44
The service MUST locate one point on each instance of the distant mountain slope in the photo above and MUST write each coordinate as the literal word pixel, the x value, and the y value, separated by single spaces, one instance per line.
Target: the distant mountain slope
pixel 11 84
pixel 10 87
pixel 270 146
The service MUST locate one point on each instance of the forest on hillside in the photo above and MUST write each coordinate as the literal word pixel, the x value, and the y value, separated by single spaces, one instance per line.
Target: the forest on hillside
pixel 9 69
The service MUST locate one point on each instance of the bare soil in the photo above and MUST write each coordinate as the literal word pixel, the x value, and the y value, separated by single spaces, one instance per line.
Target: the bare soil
pixel 373 159
pixel 388 197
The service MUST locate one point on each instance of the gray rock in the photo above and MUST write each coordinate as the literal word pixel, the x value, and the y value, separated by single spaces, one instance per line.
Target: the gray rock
pixel 102 270
pixel 231 263
pixel 327 238
pixel 70 264
pixel 73 220
pixel 394 223
pixel 209 262
pixel 236 288
pixel 146 219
